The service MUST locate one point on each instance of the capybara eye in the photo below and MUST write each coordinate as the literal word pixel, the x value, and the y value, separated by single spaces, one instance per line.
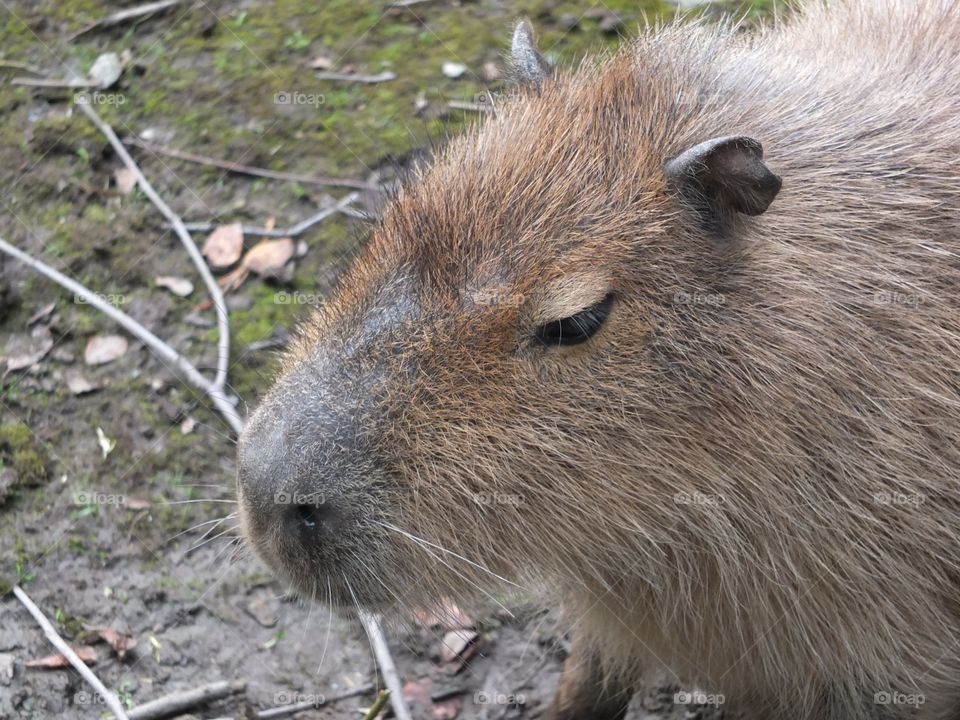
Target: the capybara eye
pixel 577 328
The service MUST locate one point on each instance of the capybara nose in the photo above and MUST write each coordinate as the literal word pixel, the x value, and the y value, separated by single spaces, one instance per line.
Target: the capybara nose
pixel 263 467
pixel 292 470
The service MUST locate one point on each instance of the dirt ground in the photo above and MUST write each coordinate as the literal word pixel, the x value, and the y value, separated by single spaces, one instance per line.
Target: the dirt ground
pixel 118 539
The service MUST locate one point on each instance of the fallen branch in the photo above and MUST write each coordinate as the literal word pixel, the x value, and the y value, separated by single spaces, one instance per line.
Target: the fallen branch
pixel 67 84
pixel 371 623
pixel 216 294
pixel 246 169
pixel 17 65
pixel 293 708
pixel 112 701
pixel 469 106
pixel 161 349
pixel 405 3
pixel 291 232
pixel 362 79
pixel 122 16
pixel 358 214
pixel 180 702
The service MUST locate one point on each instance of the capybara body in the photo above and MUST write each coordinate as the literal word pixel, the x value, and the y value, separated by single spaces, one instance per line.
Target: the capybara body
pixel 593 351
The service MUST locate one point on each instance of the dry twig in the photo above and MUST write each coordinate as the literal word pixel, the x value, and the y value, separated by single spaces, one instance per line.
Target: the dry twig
pixel 391 678
pixel 60 83
pixel 378 706
pixel 470 106
pixel 292 709
pixel 112 701
pixel 162 350
pixel 362 79
pixel 291 232
pixel 179 702
pixel 216 294
pixel 122 16
pixel 246 169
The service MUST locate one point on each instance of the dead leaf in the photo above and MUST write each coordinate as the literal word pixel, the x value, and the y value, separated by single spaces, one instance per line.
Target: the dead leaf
pixel 42 314
pixel 456 644
pixel 321 62
pixel 120 642
pixel 177 285
pixel 106 444
pixel 106 70
pixel 224 246
pixel 269 256
pixel 52 662
pixel 28 352
pixel 102 349
pixel 126 180
pixel 77 384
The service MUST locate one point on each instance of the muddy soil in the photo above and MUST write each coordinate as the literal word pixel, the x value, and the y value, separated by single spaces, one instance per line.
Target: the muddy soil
pixel 113 477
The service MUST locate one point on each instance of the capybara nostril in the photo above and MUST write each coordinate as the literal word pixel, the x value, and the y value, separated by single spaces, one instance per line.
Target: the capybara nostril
pixel 309 521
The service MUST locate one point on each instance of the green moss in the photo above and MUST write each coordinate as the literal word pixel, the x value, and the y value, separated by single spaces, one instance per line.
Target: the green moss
pixel 20 449
pixel 66 135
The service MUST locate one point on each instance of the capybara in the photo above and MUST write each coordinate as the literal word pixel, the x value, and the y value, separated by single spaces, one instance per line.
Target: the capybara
pixel 672 340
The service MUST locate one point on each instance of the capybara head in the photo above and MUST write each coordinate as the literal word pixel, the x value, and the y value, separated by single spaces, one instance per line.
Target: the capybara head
pixel 496 374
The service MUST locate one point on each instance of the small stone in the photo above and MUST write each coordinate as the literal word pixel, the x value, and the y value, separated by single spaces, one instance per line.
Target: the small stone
pixel 262 610
pixel 454 70
pixel 6 668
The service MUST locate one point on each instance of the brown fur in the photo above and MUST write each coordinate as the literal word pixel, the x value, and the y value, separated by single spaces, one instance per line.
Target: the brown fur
pixel 702 485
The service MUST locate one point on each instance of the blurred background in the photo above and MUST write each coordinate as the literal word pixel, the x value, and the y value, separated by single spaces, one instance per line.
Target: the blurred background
pixel 248 118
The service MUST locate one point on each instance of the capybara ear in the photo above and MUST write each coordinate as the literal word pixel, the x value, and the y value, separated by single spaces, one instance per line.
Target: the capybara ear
pixel 526 63
pixel 726 173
